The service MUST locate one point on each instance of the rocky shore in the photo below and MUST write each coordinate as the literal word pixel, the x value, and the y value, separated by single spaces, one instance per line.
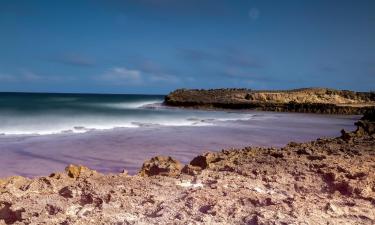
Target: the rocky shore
pixel 307 100
pixel 327 181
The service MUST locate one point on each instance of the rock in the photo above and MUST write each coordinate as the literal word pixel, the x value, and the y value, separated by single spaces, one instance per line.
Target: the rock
pixel 365 127
pixel 304 151
pixel 348 137
pixel 191 170
pixel 76 171
pixel 313 100
pixel 161 165
pixel 10 215
pixel 204 161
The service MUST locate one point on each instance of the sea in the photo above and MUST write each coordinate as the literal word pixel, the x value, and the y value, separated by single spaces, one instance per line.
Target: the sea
pixel 43 132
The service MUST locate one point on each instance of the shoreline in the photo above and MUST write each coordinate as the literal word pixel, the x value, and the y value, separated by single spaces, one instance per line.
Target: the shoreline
pixel 329 180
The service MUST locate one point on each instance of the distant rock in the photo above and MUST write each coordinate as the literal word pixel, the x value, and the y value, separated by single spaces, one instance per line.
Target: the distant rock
pixel 311 100
pixel 161 165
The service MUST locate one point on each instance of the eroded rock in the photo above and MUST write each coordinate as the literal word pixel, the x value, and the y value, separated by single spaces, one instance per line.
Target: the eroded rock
pixel 76 171
pixel 161 165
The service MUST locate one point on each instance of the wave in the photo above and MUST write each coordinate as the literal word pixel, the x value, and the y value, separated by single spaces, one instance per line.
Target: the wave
pixel 132 105
pixel 66 125
pixel 81 114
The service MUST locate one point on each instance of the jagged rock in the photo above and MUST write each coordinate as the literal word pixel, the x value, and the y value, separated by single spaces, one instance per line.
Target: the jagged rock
pixel 10 215
pixel 191 170
pixel 161 165
pixel 76 171
pixel 205 160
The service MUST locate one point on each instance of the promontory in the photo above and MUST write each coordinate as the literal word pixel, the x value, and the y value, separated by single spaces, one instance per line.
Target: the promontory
pixel 308 100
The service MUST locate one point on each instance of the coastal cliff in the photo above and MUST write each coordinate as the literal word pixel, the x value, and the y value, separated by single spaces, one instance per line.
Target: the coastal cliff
pixel 327 181
pixel 308 100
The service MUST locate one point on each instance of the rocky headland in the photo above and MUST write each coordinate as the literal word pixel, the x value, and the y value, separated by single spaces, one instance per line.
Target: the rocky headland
pixel 308 100
pixel 326 181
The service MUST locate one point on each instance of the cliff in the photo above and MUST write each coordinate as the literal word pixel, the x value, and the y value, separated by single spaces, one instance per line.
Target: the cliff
pixel 314 100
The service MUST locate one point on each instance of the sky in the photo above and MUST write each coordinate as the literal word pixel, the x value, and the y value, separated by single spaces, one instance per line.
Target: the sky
pixel 156 46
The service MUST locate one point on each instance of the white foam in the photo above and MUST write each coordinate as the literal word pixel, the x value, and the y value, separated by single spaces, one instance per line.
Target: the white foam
pixel 44 124
pixel 131 105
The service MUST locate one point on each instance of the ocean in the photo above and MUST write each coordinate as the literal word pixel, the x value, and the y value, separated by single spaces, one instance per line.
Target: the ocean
pixel 39 113
pixel 42 133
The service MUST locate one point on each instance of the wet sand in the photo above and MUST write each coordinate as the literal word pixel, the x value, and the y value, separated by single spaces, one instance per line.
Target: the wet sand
pixel 127 148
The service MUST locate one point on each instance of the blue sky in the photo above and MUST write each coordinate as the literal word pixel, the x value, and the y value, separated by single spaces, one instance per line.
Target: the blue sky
pixel 155 46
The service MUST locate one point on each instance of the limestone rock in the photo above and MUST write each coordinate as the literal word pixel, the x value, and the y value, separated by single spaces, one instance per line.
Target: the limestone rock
pixel 76 171
pixel 161 165
pixel 205 160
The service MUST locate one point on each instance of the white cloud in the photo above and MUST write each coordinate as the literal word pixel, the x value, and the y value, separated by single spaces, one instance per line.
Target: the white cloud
pixel 125 76
pixel 122 75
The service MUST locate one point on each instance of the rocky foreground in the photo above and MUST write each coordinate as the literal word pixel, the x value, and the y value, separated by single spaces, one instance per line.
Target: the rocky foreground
pixel 308 100
pixel 327 181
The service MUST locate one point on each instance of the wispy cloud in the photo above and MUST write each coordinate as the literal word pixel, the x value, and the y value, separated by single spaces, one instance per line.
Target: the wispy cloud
pixel 229 57
pixel 74 59
pixel 327 68
pixel 126 76
pixel 30 76
pixel 239 75
pixel 7 77
pixel 121 76
pixel 23 75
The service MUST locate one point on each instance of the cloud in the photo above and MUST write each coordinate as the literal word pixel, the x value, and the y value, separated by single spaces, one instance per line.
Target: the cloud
pixel 196 55
pixel 122 75
pixel 30 76
pixel 23 75
pixel 230 57
pixel 139 76
pixel 75 60
pixel 7 77
pixel 254 14
pixel 327 68
pixel 249 77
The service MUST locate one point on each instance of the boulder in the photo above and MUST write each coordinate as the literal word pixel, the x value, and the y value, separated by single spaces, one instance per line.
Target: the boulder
pixel 76 171
pixel 161 165
pixel 205 160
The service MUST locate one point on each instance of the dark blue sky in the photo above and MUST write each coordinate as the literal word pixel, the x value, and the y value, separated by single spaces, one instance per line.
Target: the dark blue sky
pixel 154 46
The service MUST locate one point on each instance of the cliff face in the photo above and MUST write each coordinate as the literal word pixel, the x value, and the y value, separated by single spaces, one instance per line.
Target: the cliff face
pixel 315 100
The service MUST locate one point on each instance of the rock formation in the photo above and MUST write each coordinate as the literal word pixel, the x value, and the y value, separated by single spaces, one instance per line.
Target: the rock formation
pixel 314 100
pixel 161 165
